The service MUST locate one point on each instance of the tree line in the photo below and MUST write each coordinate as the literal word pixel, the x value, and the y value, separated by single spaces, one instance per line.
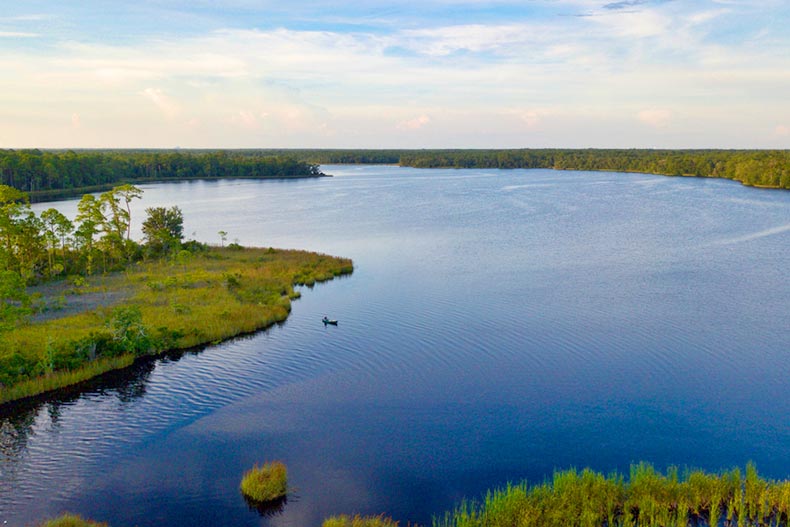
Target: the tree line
pixel 36 248
pixel 37 171
pixel 765 168
pixel 45 173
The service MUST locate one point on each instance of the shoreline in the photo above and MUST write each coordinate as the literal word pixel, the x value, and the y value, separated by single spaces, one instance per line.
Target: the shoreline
pixel 39 196
pixel 223 310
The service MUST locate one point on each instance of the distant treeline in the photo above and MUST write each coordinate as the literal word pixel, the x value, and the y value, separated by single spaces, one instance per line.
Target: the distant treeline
pixel 764 168
pixel 41 172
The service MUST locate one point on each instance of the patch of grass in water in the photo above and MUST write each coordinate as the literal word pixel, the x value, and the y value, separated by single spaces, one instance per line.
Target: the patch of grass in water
pixel 359 521
pixel 266 483
pixel 71 520
pixel 647 499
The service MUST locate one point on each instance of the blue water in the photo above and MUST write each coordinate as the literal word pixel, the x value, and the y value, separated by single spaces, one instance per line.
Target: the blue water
pixel 498 325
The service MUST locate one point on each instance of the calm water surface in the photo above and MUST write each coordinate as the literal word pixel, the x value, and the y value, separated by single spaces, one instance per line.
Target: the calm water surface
pixel 498 325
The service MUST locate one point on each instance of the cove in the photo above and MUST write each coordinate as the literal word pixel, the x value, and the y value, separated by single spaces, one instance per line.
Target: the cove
pixel 498 325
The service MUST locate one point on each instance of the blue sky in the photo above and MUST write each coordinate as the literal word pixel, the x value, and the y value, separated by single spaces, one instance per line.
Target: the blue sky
pixel 385 74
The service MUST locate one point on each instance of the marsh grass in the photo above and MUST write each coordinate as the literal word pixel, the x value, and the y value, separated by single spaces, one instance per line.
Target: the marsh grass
pixel 166 305
pixel 71 520
pixel 265 483
pixel 647 499
pixel 359 521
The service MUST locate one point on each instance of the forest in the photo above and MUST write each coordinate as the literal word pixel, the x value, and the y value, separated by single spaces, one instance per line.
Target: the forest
pixel 762 168
pixel 46 174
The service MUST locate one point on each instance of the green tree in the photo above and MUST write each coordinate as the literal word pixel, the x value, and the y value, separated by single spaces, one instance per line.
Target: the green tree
pixel 57 228
pixel 13 205
pixel 29 245
pixel 14 300
pixel 127 193
pixel 90 219
pixel 163 229
pixel 116 224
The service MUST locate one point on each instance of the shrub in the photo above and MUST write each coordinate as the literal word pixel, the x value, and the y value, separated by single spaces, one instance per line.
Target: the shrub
pixel 266 483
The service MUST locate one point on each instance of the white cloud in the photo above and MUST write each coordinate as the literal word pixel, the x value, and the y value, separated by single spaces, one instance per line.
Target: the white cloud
pixel 635 24
pixel 167 106
pixel 246 119
pixel 18 34
pixel 415 123
pixel 531 118
pixel 623 70
pixel 657 118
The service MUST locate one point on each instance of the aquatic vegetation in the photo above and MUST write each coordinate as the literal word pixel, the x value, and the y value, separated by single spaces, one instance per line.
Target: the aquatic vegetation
pixel 265 483
pixel 156 306
pixel 358 521
pixel 71 520
pixel 647 499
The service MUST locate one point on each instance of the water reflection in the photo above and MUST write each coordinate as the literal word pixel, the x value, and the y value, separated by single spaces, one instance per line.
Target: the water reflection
pixel 20 419
pixel 267 509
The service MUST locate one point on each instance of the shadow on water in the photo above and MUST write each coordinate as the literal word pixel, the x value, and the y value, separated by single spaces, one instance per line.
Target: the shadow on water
pixel 267 509
pixel 18 417
pixel 126 384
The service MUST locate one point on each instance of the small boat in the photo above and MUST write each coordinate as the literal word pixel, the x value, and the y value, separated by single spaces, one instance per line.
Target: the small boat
pixel 327 321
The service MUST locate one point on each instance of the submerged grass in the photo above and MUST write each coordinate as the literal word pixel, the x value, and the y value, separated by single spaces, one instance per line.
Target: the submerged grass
pixel 71 520
pixel 647 499
pixel 265 483
pixel 199 298
pixel 359 521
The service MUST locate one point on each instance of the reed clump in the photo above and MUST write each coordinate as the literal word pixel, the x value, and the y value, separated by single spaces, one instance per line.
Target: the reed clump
pixel 265 483
pixel 358 521
pixel 157 306
pixel 648 498
pixel 71 520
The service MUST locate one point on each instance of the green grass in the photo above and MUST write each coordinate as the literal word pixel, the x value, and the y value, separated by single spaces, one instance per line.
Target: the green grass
pixel 647 499
pixel 265 483
pixel 71 520
pixel 202 298
pixel 358 521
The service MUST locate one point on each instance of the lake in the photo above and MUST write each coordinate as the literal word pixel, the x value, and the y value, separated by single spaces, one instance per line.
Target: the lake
pixel 498 325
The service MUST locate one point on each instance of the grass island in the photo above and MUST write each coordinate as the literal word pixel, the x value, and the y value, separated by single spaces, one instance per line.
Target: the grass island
pixel 265 483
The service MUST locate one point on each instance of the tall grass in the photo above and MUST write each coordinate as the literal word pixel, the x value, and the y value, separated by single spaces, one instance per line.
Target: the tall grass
pixel 71 520
pixel 647 499
pixel 200 298
pixel 265 483
pixel 359 521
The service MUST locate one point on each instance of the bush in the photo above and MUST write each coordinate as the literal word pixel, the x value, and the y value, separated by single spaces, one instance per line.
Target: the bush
pixel 266 483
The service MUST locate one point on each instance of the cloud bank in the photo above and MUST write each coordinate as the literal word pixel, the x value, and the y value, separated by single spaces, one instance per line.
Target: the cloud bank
pixel 565 74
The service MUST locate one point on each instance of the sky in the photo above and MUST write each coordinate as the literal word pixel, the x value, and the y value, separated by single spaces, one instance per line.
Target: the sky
pixel 394 74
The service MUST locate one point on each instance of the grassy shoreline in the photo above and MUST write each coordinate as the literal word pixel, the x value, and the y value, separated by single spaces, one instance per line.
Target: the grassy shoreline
pixel 645 498
pixel 171 305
